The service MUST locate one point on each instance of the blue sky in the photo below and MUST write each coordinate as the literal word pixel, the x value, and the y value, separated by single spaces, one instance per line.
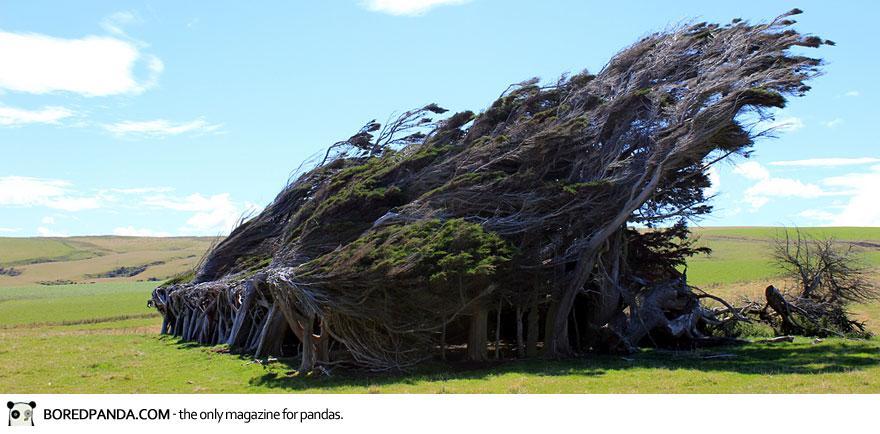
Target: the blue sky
pixel 173 118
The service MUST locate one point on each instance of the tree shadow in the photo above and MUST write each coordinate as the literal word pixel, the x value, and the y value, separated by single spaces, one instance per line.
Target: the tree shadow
pixel 799 358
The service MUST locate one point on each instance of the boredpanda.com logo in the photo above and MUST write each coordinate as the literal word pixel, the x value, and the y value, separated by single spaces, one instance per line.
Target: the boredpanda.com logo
pixel 21 413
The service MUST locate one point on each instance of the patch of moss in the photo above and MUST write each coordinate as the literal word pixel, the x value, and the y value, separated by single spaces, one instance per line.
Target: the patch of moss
pixel 185 277
pixel 763 97
pixel 440 250
pixel 577 186
pixel 250 263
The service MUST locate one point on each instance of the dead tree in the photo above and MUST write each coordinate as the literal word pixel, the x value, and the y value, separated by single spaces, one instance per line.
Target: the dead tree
pixel 826 275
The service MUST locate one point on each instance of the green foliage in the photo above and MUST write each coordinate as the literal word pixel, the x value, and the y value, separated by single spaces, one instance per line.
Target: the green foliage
pixel 442 251
pixel 578 186
pixel 763 97
pixel 739 329
pixel 185 277
pixel 472 178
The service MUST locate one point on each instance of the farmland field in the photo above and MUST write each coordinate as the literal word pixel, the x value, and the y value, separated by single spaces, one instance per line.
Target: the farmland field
pixel 90 259
pixel 102 338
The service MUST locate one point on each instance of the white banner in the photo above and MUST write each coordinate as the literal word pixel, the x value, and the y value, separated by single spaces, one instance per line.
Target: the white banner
pixel 442 413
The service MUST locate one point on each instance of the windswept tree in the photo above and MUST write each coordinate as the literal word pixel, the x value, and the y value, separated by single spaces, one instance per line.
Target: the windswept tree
pixel 516 223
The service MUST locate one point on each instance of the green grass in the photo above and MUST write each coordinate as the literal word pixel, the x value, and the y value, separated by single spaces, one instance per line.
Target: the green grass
pixel 744 254
pixel 73 303
pixel 86 259
pixel 768 232
pixel 98 361
pixel 101 338
pixel 29 250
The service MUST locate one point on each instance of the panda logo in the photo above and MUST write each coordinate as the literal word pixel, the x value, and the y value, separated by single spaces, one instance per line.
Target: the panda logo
pixel 21 413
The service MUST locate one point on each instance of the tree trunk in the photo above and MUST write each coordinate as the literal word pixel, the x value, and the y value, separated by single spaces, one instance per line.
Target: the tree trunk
pixel 272 334
pixel 577 329
pixel 559 345
pixel 443 341
pixel 322 347
pixel 553 336
pixel 236 338
pixel 308 341
pixel 532 330
pixel 477 337
pixel 498 332
pixel 520 345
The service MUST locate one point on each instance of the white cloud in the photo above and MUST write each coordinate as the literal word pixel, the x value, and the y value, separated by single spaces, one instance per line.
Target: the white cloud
pixel 714 181
pixel 131 231
pixel 816 214
pixel 9 230
pixel 52 193
pixel 860 208
pixel 46 232
pixel 767 187
pixel 826 162
pixel 407 7
pixel 751 170
pixel 834 123
pixel 90 66
pixel 11 116
pixel 212 214
pixel 863 207
pixel 141 190
pixel 161 128
pixel 852 93
pixel 202 214
pixel 758 195
pixel 115 22
pixel 787 124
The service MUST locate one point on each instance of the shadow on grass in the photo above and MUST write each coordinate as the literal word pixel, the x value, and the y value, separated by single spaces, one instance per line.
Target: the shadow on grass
pixel 752 359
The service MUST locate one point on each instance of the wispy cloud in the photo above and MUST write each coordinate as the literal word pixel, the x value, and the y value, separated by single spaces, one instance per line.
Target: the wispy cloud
pixel 407 7
pixel 852 93
pixel 90 66
pixel 141 190
pixel 826 162
pixel 161 128
pixel 861 209
pixel 767 186
pixel 51 193
pixel 752 170
pixel 199 214
pixel 834 123
pixel 211 214
pixel 857 191
pixel 115 23
pixel 787 124
pixel 11 116
pixel 714 181
pixel 46 232
pixel 9 230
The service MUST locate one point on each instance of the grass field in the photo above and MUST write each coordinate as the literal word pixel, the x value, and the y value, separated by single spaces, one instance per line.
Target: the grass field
pixel 65 304
pixel 102 338
pixel 81 259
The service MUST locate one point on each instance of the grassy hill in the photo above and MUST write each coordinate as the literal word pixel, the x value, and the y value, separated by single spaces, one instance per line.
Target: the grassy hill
pixel 97 259
pixel 101 337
